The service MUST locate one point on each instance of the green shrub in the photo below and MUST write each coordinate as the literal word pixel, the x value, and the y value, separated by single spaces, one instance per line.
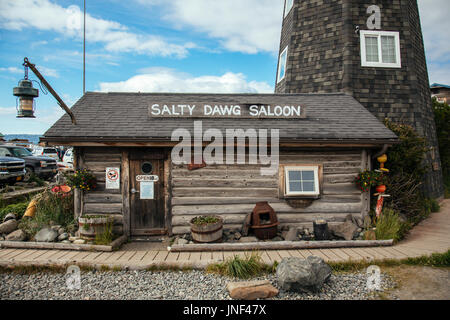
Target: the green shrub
pixel 18 209
pixel 51 208
pixel 34 178
pixel 388 225
pixel 242 268
pixel 106 236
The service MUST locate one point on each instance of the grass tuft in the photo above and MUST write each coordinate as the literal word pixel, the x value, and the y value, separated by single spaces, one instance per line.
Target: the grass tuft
pixel 242 268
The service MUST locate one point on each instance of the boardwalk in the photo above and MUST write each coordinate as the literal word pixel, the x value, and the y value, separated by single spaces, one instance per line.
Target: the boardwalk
pixel 431 236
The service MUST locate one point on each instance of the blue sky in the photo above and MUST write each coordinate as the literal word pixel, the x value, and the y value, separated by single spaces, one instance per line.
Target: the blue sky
pixel 157 45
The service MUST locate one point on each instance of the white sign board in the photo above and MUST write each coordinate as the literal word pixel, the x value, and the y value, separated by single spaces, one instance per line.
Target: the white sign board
pixel 147 178
pixel 147 191
pixel 112 178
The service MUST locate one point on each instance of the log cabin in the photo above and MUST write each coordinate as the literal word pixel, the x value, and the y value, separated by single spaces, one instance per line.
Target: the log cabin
pixel 129 146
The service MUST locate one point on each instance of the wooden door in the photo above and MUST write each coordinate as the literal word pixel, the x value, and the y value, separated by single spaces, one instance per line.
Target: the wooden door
pixel 147 215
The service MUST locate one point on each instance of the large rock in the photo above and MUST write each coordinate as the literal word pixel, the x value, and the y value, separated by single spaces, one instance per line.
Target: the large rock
pixel 46 235
pixel 302 275
pixel 8 226
pixel 251 290
pixel 10 216
pixel 346 230
pixel 17 235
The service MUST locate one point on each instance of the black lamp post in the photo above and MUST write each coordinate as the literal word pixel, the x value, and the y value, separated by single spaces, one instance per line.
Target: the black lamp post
pixel 26 94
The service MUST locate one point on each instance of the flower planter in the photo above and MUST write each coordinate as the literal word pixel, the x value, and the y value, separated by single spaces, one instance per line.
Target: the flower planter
pixel 207 233
pixel 91 226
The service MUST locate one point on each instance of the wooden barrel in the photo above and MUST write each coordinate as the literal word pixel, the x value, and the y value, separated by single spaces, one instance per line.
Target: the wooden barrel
pixel 91 226
pixel 207 233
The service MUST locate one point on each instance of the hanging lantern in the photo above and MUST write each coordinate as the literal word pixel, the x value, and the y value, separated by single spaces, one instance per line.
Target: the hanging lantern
pixel 26 94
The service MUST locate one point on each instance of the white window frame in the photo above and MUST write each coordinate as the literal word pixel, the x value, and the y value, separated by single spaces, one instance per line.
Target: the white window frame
pixel 286 9
pixel 378 35
pixel 314 168
pixel 285 51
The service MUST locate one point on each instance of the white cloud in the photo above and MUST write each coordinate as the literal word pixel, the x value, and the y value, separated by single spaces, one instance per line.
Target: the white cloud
pixel 12 70
pixel 48 72
pixel 7 111
pixel 47 16
pixel 167 80
pixel 249 26
pixel 435 26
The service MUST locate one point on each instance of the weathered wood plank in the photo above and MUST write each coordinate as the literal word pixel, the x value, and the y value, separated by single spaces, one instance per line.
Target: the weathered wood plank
pixel 224 183
pixel 104 208
pixel 125 195
pixel 316 207
pixel 281 245
pixel 225 192
pixel 102 198
pixel 101 166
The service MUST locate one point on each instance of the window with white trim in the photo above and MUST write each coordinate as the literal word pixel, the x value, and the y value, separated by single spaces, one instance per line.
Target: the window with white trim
pixel 380 49
pixel 302 180
pixel 282 65
pixel 288 4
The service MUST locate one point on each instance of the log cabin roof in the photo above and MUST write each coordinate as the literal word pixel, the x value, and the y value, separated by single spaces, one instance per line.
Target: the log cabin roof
pixel 118 117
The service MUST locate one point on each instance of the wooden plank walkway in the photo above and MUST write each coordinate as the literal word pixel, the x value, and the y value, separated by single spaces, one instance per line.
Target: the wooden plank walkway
pixel 431 236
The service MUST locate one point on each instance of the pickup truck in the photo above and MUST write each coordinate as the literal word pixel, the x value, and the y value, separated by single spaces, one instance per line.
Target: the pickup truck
pixel 41 166
pixel 11 170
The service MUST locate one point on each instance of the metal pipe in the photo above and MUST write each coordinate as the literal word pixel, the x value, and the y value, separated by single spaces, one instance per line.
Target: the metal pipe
pixel 50 89
pixel 383 151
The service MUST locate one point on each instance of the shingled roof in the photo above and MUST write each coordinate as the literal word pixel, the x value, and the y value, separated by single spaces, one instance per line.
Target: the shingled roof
pixel 117 117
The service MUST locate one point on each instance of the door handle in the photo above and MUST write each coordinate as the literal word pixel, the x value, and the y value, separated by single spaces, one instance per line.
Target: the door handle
pixel 133 191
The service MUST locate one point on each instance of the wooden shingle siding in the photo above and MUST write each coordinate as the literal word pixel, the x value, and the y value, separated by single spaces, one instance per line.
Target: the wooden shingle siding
pixel 102 201
pixel 232 191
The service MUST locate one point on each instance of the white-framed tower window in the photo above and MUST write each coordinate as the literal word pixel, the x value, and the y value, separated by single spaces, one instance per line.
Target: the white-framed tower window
pixel 302 180
pixel 282 65
pixel 288 4
pixel 380 49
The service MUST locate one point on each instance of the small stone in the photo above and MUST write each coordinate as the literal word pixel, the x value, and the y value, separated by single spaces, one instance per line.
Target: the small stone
pixel 61 231
pixel 191 242
pixel 46 235
pixel 237 236
pixel 63 236
pixel 306 232
pixel 248 239
pixel 8 226
pixel 72 239
pixel 277 238
pixel 251 290
pixel 66 242
pixel 17 235
pixel 291 235
pixel 246 224
pixel 56 227
pixel 182 241
pixel 10 216
pixel 2 239
pixel 79 241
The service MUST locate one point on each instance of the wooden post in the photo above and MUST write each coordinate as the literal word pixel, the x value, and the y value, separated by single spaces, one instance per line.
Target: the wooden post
pixel 168 193
pixel 77 198
pixel 126 192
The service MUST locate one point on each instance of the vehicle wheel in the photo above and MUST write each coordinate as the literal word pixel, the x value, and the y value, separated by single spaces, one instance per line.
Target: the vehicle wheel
pixel 29 171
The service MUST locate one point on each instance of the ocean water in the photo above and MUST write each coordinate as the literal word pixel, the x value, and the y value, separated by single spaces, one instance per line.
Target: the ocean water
pixel 33 138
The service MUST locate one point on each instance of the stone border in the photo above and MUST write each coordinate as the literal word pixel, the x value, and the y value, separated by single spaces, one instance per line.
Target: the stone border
pixel 280 245
pixel 115 245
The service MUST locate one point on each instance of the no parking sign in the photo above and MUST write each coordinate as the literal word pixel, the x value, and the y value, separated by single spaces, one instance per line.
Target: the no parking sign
pixel 112 178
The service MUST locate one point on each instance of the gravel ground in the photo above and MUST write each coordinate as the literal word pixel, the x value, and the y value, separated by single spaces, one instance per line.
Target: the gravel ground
pixel 142 285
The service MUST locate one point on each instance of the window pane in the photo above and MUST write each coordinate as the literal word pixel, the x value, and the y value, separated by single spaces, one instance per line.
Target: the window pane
pixel 308 175
pixel 295 186
pixel 388 49
pixel 295 176
pixel 372 49
pixel 282 65
pixel 308 187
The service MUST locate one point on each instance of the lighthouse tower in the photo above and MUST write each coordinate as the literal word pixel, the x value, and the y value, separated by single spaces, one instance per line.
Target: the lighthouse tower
pixel 371 50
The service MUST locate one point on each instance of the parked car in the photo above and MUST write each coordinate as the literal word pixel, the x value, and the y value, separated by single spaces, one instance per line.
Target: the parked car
pixel 11 169
pixel 47 151
pixel 42 166
pixel 67 161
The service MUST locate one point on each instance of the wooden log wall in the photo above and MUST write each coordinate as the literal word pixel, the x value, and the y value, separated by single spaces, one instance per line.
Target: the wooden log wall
pixel 101 200
pixel 232 191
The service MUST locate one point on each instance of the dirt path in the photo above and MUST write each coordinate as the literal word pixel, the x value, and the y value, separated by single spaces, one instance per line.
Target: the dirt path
pixel 419 283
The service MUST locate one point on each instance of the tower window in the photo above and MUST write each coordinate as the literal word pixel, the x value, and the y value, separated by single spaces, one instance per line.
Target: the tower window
pixel 288 4
pixel 282 65
pixel 380 49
